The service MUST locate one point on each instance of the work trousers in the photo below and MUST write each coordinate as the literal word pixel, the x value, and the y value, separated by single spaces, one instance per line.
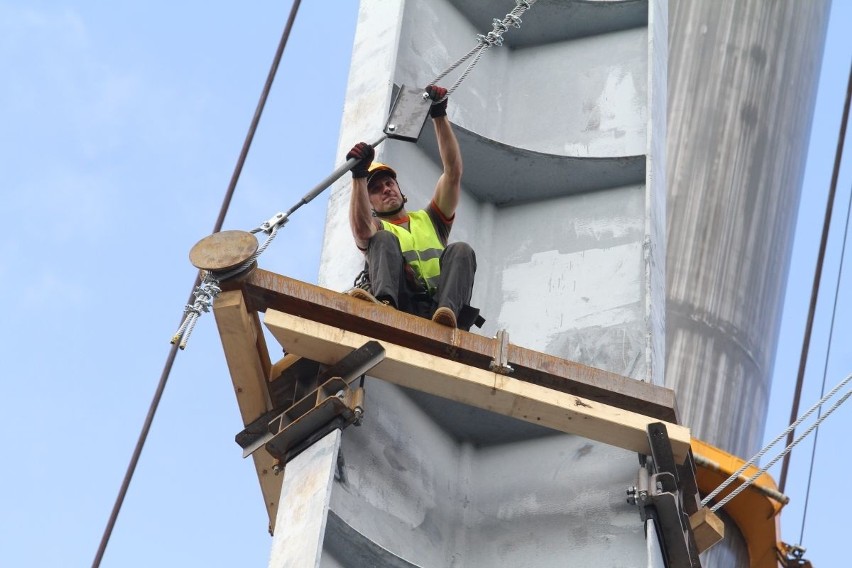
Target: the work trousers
pixel 391 278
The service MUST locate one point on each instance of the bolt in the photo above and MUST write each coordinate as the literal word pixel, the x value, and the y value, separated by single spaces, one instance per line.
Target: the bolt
pixel 277 468
pixel 631 495
pixel 391 127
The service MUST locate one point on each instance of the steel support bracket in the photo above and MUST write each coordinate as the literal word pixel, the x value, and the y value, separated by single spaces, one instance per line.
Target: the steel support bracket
pixel 792 556
pixel 285 433
pixel 500 363
pixel 408 114
pixel 668 493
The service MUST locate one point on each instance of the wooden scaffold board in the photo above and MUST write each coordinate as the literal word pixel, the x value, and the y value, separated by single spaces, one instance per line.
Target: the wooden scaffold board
pixel 323 325
pixel 477 387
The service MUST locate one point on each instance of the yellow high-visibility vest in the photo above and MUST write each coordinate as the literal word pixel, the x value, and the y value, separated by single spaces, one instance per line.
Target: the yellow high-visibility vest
pixel 420 247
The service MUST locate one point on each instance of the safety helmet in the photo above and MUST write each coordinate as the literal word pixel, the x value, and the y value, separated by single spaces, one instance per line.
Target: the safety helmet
pixel 376 168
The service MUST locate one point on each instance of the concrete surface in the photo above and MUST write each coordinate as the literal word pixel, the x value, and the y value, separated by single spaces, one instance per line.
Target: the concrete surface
pixel 563 201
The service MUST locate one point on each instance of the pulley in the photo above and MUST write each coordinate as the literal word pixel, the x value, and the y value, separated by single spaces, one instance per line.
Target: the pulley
pixel 223 251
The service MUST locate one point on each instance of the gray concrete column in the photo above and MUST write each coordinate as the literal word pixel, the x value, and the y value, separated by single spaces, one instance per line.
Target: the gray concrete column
pixel 303 506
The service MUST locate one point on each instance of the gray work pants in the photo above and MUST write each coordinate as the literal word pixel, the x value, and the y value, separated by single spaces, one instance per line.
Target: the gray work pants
pixel 391 278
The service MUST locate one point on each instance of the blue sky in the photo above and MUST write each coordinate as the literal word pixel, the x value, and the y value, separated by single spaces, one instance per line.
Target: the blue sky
pixel 826 529
pixel 122 123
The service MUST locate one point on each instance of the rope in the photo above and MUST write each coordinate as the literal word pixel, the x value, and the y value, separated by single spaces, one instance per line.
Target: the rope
pixel 734 476
pixel 763 470
pixel 492 38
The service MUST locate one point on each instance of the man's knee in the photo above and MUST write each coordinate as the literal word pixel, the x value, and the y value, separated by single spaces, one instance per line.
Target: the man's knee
pixel 384 243
pixel 461 250
pixel 383 238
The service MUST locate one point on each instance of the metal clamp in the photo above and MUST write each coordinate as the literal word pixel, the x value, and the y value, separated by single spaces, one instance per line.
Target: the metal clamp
pixel 500 363
pixel 276 221
pixel 285 433
pixel 665 493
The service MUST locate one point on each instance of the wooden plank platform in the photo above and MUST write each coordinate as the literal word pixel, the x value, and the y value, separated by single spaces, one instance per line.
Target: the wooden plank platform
pixel 256 378
pixel 476 387
pixel 265 289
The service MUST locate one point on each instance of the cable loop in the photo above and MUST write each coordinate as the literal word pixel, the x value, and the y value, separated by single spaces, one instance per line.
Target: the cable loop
pixel 205 293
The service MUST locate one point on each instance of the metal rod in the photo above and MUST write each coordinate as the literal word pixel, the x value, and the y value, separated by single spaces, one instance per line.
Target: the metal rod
pixel 330 179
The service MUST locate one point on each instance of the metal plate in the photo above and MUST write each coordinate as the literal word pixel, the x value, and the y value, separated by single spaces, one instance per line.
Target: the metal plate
pixel 223 251
pixel 408 114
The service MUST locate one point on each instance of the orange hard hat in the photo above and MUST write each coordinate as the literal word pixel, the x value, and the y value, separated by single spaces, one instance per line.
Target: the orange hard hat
pixel 376 168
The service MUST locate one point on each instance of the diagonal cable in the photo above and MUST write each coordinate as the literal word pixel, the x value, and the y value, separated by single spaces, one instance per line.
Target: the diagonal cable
pixel 825 364
pixel 170 359
pixel 806 341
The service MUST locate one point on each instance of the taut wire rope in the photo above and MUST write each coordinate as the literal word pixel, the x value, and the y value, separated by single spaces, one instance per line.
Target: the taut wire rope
pixel 484 41
pixel 734 476
pixel 806 340
pixel 783 453
pixel 152 409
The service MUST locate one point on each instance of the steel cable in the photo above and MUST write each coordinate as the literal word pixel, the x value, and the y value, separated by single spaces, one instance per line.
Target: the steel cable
pixel 825 364
pixel 783 453
pixel 806 341
pixel 152 409
pixel 733 477
pixel 484 41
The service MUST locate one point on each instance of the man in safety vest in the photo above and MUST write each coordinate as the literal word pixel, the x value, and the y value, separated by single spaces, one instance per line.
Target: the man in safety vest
pixel 409 263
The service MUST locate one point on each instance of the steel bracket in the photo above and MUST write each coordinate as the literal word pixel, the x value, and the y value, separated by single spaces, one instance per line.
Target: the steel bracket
pixel 500 363
pixel 285 433
pixel 668 493
pixel 408 114
pixel 792 556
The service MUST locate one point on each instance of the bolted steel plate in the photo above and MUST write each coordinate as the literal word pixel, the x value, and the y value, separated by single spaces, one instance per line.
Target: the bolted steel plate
pixel 408 114
pixel 223 251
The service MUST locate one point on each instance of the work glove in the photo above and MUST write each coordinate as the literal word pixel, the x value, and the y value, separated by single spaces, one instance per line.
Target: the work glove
pixel 365 153
pixel 437 93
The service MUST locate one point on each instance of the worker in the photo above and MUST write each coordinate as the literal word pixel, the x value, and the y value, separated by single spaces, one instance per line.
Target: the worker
pixel 409 262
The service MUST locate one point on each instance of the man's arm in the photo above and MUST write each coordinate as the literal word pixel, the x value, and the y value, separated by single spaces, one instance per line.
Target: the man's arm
pixel 448 188
pixel 360 212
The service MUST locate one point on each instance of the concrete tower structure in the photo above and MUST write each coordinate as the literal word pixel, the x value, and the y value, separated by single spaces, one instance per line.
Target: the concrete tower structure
pixel 562 132
pixel 742 84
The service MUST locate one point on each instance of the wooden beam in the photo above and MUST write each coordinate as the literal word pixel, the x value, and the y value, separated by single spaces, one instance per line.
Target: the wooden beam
pixel 477 387
pixel 269 290
pixel 248 362
pixel 707 528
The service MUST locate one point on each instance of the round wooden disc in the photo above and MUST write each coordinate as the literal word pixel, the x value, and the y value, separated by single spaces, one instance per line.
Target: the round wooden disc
pixel 223 251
